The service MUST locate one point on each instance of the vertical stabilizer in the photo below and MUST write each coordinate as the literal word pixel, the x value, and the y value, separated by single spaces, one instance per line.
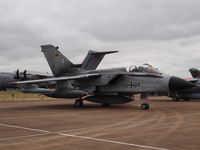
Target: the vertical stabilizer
pixel 58 63
pixel 195 73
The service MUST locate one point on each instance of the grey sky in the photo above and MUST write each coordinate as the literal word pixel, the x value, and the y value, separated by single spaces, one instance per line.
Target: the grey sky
pixel 164 33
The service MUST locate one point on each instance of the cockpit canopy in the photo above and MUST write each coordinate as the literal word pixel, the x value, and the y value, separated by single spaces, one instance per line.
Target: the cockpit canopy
pixel 146 68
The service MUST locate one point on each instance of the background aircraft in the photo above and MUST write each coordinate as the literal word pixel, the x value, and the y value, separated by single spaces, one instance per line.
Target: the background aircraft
pixel 195 73
pixel 106 86
pixel 191 93
pixel 6 79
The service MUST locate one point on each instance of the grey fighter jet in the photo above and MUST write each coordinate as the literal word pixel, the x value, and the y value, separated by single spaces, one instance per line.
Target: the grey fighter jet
pixel 105 86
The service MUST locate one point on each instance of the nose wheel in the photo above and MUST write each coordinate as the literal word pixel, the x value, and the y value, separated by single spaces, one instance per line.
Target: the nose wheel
pixel 144 106
pixel 78 103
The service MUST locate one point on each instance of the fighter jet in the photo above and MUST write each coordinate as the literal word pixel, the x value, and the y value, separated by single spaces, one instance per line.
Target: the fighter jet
pixel 191 93
pixel 105 86
pixel 6 79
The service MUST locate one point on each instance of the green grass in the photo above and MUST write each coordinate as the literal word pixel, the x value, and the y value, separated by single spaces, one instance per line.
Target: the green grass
pixel 19 96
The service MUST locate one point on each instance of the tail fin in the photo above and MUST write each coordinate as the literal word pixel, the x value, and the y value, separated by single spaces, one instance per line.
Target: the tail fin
pixel 195 73
pixel 58 63
pixel 93 59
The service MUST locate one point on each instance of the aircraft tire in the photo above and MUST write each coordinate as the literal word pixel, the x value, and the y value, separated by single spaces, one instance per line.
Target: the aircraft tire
pixel 78 103
pixel 147 106
pixel 144 106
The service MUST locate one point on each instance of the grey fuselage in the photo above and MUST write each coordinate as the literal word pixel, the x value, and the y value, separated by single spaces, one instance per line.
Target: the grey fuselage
pixel 115 81
pixel 131 85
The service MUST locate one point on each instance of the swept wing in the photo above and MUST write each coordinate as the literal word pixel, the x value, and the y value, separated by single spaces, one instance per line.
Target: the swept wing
pixel 58 79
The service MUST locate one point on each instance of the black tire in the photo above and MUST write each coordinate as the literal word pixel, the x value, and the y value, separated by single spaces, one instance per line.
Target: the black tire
pixel 78 103
pixel 147 106
pixel 144 106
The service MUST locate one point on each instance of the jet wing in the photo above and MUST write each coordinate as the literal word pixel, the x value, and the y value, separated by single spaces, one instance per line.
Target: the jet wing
pixel 58 79
pixel 86 76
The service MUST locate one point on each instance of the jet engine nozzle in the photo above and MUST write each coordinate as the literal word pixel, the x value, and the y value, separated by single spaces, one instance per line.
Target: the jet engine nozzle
pixel 176 84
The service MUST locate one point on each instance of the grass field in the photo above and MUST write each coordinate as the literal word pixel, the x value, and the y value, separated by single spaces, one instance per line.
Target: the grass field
pixel 19 96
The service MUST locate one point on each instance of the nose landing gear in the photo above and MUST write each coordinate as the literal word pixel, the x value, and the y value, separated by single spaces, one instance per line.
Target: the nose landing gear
pixel 144 106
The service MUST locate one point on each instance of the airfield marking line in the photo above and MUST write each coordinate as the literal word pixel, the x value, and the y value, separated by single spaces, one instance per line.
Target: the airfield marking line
pixel 25 136
pixel 122 123
pixel 111 141
pixel 38 130
pixel 89 138
pixel 24 128
pixel 39 116
pixel 77 136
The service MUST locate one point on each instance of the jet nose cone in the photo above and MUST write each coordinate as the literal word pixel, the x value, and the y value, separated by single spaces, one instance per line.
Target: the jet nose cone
pixel 176 84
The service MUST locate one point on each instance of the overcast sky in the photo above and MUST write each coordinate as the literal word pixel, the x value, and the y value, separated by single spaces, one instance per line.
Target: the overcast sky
pixel 163 33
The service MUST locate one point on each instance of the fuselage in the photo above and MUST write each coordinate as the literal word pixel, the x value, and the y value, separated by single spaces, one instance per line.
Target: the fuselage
pixel 131 84
pixel 118 82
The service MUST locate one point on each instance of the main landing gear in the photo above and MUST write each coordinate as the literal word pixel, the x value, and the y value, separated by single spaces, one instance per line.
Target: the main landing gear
pixel 144 106
pixel 78 103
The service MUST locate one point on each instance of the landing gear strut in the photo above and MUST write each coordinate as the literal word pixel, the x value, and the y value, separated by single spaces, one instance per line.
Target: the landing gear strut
pixel 144 106
pixel 78 103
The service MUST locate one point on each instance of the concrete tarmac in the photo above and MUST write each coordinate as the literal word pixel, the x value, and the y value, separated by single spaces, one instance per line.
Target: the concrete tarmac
pixel 57 125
